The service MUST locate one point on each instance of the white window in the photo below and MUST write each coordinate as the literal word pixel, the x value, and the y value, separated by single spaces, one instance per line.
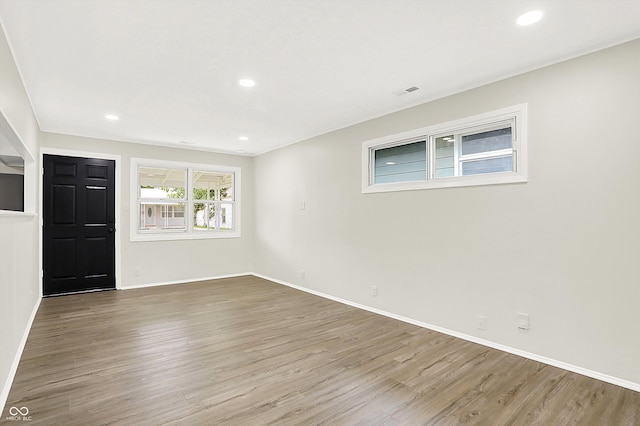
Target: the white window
pixel 183 201
pixel 213 200
pixel 480 150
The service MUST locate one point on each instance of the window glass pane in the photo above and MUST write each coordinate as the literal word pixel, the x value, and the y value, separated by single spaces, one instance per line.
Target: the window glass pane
pixel 146 222
pixel 155 216
pixel 160 183
pixel 491 165
pixel 226 191
pixel 445 161
pixel 172 211
pixel 204 216
pixel 212 186
pixel 486 141
pixel 226 217
pixel 205 194
pixel 401 163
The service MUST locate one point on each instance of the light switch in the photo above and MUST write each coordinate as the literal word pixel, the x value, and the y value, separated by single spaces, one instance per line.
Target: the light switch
pixel 523 321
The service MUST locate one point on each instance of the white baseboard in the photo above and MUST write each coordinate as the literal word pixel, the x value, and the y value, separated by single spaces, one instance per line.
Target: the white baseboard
pixel 16 359
pixel 549 361
pixel 191 280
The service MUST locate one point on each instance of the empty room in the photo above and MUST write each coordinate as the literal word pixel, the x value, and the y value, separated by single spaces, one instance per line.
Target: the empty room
pixel 305 212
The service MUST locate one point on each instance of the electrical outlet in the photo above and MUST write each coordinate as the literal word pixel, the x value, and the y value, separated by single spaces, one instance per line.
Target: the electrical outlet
pixel 482 322
pixel 302 274
pixel 136 272
pixel 374 290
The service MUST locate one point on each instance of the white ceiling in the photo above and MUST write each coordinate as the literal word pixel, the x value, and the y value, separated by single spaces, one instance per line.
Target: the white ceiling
pixel 169 69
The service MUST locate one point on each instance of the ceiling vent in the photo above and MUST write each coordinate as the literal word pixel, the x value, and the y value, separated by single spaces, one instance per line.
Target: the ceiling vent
pixel 407 90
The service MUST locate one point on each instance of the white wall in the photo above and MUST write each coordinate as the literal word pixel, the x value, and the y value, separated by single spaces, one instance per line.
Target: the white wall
pixel 562 247
pixel 169 261
pixel 19 283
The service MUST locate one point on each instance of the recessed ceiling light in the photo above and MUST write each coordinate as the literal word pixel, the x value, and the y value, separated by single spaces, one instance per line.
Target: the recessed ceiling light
pixel 240 151
pixel 530 17
pixel 111 117
pixel 390 163
pixel 243 138
pixel 246 82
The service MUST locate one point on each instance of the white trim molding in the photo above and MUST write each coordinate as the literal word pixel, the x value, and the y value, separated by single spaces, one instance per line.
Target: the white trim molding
pixel 186 232
pixel 118 192
pixel 191 280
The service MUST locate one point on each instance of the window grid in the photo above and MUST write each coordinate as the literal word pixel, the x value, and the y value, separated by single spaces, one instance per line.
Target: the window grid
pixel 174 210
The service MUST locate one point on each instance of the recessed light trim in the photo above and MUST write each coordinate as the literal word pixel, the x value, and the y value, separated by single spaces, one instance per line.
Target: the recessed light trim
pixel 529 18
pixel 243 138
pixel 246 82
pixel 111 117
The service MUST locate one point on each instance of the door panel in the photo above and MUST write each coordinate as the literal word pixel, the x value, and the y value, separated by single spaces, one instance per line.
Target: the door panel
pixel 64 202
pixel 79 224
pixel 97 256
pixel 96 205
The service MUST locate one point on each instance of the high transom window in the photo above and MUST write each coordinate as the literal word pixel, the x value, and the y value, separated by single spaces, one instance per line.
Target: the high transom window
pixel 480 150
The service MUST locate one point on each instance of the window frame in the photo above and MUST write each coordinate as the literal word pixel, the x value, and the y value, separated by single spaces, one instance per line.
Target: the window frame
pixel 515 115
pixel 188 233
pixel 11 143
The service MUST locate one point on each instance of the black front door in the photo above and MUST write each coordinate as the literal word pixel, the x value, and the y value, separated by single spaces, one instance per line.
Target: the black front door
pixel 79 224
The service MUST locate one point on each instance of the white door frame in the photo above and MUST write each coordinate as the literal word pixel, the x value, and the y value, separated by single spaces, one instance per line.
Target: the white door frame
pixel 70 153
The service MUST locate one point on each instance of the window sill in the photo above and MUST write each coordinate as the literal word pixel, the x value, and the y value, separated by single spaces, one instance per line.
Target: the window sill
pixel 16 213
pixel 173 236
pixel 452 182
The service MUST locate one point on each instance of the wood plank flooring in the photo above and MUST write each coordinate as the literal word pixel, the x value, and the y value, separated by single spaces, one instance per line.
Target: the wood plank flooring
pixel 245 351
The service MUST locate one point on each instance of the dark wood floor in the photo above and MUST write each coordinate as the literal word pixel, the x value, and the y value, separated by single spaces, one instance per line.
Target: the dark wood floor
pixel 247 351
